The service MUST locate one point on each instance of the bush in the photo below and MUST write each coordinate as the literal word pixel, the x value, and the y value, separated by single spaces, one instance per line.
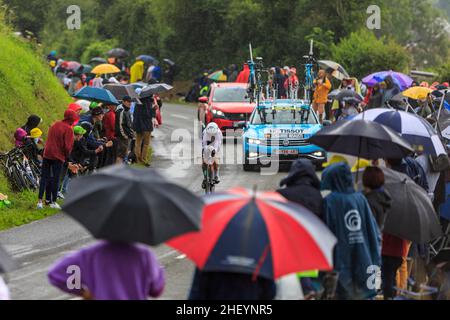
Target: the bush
pixel 362 53
pixel 444 72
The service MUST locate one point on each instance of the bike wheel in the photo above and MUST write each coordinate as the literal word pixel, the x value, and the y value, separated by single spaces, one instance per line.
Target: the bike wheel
pixel 17 180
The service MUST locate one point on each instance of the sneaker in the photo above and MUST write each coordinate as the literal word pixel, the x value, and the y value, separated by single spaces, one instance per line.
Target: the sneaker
pixel 40 206
pixel 204 184
pixel 61 195
pixel 216 180
pixel 55 206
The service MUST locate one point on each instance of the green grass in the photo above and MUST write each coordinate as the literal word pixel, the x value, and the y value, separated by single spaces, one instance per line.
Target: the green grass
pixel 26 87
pixel 23 208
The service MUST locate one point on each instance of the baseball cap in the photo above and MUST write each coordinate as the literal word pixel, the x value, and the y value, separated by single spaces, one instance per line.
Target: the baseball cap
pixel 36 133
pixel 127 99
pixel 93 105
pixel 97 111
pixel 78 130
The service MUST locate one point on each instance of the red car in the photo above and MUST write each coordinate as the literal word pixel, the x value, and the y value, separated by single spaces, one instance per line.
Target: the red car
pixel 228 104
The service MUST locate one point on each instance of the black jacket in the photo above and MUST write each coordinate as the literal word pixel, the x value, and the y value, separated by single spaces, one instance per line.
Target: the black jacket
pixel 81 152
pixel 231 286
pixel 375 100
pixel 143 116
pixel 124 127
pixel 303 186
pixel 380 202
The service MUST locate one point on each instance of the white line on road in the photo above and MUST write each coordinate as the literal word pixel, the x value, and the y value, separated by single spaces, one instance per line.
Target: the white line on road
pixel 179 116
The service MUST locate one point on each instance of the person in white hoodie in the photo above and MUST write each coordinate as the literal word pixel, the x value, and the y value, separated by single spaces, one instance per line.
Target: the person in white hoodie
pixel 4 291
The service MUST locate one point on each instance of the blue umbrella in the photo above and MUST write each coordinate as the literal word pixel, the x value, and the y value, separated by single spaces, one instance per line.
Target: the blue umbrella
pixel 146 58
pixel 96 94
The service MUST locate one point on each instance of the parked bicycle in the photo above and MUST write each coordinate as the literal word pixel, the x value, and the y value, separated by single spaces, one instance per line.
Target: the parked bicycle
pixel 21 173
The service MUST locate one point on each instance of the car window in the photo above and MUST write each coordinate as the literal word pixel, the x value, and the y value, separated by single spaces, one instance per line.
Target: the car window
pixel 230 95
pixel 283 115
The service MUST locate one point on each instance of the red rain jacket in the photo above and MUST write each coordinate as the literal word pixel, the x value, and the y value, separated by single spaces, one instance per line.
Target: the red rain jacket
pixel 60 138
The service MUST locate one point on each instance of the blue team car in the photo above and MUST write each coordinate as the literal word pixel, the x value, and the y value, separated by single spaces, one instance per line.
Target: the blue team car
pixel 278 131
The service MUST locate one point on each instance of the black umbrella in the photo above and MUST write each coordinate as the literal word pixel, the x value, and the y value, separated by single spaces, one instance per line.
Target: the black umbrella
pixel 120 91
pixel 118 53
pixel 7 263
pixel 154 89
pixel 126 204
pixel 349 96
pixel 412 216
pixel 333 94
pixel 362 138
pixel 98 60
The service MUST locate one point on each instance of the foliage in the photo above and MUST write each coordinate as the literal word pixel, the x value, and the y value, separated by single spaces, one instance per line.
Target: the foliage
pixel 444 72
pixel 208 34
pixel 362 53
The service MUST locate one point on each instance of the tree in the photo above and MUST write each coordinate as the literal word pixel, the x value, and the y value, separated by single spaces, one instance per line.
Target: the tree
pixel 444 72
pixel 362 53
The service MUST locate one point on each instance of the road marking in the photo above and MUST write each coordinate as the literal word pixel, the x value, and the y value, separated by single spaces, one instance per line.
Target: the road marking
pixel 179 116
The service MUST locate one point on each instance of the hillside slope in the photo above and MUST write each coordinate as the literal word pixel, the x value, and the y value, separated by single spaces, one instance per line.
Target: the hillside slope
pixel 26 87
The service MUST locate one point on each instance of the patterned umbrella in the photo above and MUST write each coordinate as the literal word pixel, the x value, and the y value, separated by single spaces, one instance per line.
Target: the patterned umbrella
pixel 261 234
pixel 414 129
pixel 402 80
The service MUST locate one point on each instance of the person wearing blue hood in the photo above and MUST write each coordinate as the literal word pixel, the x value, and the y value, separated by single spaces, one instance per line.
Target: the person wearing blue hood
pixel 302 186
pixel 357 256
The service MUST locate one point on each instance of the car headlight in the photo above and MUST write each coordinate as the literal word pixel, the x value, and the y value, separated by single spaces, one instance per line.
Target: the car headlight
pixel 253 154
pixel 218 113
pixel 254 141
pixel 318 154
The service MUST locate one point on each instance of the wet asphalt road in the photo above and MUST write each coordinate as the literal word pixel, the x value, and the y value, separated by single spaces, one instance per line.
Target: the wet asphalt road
pixel 37 245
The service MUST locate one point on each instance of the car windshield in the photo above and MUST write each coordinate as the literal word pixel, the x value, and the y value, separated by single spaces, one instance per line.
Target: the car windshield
pixel 283 115
pixel 235 94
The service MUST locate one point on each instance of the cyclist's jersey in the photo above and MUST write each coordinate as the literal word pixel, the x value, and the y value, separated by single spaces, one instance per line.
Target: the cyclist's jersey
pixel 217 144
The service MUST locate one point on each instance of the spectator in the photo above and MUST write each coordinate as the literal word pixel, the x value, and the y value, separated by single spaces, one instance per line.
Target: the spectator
pixel 123 127
pixel 97 116
pixel 378 198
pixel 230 286
pixel 279 81
pixel 394 253
pixel 137 71
pixel 233 73
pixel 111 271
pixel 32 122
pixel 109 123
pixel 244 75
pixel 303 186
pixel 320 98
pixel 144 120
pixel 4 291
pixel 57 150
pixel 376 97
pixel 391 90
pixel 348 215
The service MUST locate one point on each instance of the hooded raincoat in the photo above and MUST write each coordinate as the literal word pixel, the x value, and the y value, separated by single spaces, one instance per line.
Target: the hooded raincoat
pixel 303 186
pixel 357 256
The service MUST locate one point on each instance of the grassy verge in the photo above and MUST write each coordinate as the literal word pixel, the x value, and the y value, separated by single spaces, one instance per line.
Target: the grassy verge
pixel 23 208
pixel 27 87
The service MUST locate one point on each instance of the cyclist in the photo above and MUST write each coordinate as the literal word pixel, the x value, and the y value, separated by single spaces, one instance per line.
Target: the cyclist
pixel 212 145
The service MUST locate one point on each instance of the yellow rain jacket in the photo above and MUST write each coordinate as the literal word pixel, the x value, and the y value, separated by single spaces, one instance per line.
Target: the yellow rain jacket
pixel 137 71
